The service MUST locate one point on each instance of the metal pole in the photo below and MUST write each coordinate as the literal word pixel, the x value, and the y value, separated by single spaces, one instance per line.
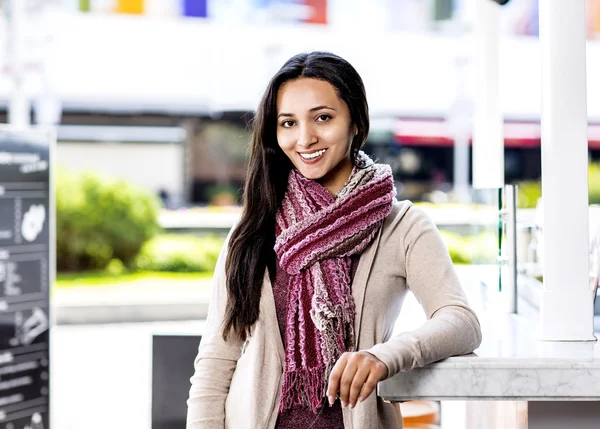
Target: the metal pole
pixel 567 303
pixel 511 291
pixel 461 167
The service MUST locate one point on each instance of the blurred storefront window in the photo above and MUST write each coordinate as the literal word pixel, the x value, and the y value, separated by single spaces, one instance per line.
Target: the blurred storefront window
pixel 394 15
pixel 318 11
pixel 525 20
pixel 84 5
pixel 130 6
pixel 443 9
pixel 195 8
pixel 593 11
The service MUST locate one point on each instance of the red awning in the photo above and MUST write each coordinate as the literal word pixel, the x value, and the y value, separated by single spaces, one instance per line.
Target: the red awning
pixel 420 132
pixel 435 132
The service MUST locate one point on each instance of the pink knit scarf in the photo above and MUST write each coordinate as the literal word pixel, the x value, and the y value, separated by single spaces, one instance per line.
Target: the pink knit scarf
pixel 317 233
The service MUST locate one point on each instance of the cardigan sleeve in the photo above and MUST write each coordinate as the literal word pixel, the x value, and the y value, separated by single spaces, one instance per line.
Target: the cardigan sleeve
pixel 215 362
pixel 452 327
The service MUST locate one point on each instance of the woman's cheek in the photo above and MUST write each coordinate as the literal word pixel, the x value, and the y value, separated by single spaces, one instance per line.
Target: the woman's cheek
pixel 334 136
pixel 284 143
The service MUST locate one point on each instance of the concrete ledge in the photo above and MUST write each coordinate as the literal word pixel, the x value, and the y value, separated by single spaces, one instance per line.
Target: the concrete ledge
pixel 128 313
pixel 143 302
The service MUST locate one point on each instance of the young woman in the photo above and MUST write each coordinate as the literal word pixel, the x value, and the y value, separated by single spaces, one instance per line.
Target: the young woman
pixel 308 287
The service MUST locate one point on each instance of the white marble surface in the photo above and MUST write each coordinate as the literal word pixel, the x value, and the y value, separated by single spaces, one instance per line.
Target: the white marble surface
pixel 511 364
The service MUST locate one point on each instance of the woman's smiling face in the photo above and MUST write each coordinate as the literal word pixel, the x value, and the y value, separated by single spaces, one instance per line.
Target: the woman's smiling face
pixel 315 131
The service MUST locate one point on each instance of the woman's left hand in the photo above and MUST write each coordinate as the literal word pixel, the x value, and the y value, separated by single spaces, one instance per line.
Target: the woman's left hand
pixel 355 376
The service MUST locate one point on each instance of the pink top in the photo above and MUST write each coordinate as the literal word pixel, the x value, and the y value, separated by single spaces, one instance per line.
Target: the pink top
pixel 302 418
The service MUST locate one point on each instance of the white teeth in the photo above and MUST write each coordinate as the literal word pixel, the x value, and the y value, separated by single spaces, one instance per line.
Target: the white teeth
pixel 313 155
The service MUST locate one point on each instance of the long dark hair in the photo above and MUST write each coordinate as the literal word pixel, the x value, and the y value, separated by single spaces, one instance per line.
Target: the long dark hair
pixel 251 244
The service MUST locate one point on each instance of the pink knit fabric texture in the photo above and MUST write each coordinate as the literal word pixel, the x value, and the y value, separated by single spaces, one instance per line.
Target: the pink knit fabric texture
pixel 301 418
pixel 317 233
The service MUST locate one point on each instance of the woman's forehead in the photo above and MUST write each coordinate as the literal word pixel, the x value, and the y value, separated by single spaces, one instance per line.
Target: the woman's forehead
pixel 305 94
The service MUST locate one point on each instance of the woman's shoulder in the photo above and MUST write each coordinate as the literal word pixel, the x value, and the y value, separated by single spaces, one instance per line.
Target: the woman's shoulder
pixel 404 218
pixel 399 208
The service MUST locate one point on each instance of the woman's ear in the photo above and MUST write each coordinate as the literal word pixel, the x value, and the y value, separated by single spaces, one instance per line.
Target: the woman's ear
pixel 355 130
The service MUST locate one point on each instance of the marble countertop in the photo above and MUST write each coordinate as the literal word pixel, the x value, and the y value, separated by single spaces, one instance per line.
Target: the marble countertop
pixel 510 364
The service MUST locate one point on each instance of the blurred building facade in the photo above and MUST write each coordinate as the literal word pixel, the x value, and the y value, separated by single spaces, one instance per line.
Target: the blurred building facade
pixel 161 91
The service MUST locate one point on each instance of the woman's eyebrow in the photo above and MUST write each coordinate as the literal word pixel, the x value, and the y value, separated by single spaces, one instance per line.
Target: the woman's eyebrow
pixel 314 109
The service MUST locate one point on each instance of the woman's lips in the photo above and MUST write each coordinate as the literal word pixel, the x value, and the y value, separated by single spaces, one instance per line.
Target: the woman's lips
pixel 313 160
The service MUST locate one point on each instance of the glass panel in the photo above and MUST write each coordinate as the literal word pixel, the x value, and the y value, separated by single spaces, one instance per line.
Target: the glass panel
pixel 530 241
pixel 474 234
pixel 595 253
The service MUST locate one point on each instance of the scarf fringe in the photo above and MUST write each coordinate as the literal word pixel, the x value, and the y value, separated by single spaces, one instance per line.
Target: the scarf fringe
pixel 305 388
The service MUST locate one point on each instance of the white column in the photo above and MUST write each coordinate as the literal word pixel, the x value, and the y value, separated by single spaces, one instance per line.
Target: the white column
pixel 19 106
pixel 567 303
pixel 460 123
pixel 488 127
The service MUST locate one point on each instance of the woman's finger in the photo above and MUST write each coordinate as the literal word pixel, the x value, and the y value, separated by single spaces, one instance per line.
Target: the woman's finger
pixel 360 377
pixel 334 378
pixel 346 379
pixel 369 386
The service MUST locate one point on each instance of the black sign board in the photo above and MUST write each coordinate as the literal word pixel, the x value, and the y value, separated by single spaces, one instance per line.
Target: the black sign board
pixel 172 366
pixel 25 274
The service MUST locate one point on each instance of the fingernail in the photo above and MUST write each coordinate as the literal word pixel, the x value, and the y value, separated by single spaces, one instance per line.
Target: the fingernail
pixel 344 404
pixel 352 406
pixel 360 399
pixel 331 400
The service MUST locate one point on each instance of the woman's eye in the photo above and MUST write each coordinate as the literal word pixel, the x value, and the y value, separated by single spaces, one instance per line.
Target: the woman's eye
pixel 323 118
pixel 287 124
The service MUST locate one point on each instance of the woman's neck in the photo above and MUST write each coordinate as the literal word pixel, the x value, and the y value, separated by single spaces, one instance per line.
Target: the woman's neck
pixel 335 180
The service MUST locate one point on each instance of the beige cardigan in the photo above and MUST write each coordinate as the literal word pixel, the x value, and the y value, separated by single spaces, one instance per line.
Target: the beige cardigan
pixel 237 386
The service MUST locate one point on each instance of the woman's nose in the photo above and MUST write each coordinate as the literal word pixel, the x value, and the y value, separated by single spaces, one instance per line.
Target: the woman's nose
pixel 307 136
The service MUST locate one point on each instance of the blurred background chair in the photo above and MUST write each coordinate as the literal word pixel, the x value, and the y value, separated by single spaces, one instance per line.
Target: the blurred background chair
pixel 420 414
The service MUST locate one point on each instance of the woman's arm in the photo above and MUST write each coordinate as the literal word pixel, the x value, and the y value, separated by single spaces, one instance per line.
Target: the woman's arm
pixel 216 360
pixel 452 327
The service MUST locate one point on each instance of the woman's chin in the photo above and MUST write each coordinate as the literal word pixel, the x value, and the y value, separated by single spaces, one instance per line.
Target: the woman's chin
pixel 310 174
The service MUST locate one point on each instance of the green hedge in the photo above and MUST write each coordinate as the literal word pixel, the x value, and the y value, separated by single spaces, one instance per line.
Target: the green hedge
pixel 471 249
pixel 179 253
pixel 531 191
pixel 594 183
pixel 100 219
